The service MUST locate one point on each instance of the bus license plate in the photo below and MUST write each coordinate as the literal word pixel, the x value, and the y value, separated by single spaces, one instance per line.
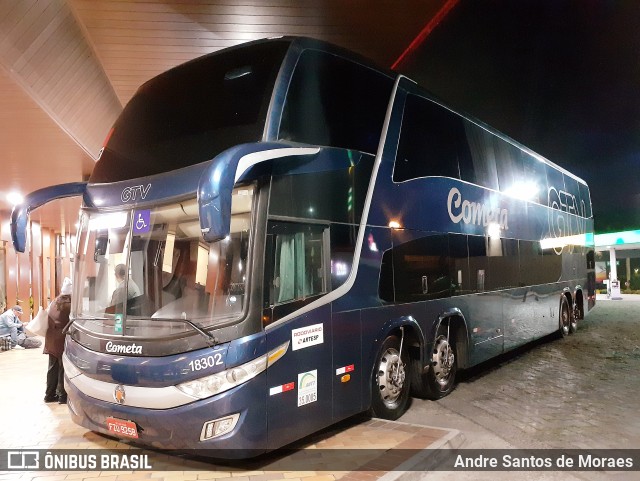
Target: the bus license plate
pixel 122 427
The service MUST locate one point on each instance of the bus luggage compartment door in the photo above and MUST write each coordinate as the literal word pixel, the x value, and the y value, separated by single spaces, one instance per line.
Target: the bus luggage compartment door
pixel 348 372
pixel 486 324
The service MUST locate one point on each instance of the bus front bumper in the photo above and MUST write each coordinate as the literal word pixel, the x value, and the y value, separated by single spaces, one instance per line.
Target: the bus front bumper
pixel 229 425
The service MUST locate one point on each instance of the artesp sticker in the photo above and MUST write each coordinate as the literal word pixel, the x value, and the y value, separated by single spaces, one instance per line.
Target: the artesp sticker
pixel 307 337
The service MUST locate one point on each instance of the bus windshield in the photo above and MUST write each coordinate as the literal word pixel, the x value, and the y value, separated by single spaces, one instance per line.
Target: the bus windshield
pixel 191 113
pixel 151 263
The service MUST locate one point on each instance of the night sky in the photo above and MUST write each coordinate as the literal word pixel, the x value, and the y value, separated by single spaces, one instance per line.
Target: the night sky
pixel 561 77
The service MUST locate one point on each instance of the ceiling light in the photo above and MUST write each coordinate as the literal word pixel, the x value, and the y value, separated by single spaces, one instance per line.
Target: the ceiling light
pixel 15 198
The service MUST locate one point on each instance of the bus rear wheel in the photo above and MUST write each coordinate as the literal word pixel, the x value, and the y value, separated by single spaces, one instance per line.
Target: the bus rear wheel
pixel 391 380
pixel 565 318
pixel 576 315
pixel 441 376
pixel 573 323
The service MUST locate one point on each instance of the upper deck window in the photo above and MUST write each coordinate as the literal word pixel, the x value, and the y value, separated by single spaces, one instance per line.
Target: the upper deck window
pixel 432 142
pixel 192 113
pixel 335 102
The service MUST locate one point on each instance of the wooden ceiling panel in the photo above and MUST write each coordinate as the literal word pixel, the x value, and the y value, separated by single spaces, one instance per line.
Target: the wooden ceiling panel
pixel 36 152
pixel 68 66
pixel 136 40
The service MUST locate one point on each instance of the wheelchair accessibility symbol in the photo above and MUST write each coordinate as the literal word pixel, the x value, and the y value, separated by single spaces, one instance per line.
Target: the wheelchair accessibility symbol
pixel 142 221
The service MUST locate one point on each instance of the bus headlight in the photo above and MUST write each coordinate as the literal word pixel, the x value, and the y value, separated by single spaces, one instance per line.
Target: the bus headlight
pixel 223 381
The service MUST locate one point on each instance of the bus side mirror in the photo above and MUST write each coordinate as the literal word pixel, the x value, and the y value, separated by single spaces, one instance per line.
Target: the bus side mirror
pixel 216 185
pixel 20 213
pixel 101 248
pixel 214 200
pixel 236 164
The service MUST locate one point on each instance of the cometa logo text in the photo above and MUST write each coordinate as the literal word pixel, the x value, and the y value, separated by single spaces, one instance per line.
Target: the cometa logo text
pixel 123 349
pixel 462 210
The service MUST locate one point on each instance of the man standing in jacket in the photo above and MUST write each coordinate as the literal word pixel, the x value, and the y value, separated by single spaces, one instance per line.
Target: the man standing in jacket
pixel 54 344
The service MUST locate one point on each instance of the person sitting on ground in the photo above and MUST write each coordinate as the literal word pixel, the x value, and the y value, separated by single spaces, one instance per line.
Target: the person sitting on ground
pixel 11 324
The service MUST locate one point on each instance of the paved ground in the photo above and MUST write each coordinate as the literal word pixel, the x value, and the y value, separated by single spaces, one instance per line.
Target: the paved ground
pixel 27 423
pixel 578 392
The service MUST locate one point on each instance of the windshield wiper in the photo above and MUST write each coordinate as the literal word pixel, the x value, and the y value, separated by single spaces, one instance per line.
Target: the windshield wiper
pixel 212 341
pixel 91 318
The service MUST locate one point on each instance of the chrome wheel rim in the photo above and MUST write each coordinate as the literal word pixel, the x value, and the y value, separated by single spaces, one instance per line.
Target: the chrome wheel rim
pixel 574 318
pixel 565 320
pixel 443 360
pixel 391 376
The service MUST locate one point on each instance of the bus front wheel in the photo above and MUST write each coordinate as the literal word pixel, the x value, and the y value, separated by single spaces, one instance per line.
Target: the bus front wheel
pixel 391 380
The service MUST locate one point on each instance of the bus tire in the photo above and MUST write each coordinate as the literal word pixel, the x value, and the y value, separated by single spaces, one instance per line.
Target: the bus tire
pixel 391 380
pixel 565 318
pixel 573 321
pixel 441 375
pixel 576 315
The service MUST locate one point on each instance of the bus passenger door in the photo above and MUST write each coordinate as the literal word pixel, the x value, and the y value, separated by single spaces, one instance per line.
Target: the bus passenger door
pixel 299 386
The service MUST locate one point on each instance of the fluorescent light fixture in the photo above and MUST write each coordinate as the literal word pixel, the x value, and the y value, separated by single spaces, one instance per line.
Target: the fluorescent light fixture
pixel 167 257
pixel 202 265
pixel 112 220
pixel 618 238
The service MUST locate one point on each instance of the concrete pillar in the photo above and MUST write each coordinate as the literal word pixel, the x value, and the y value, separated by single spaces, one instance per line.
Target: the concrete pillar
pixel 612 261
pixel 614 288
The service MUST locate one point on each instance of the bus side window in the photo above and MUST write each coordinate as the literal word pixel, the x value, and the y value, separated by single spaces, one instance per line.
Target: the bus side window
pixel 296 262
pixel 483 155
pixel 572 195
pixel 503 263
pixel 342 240
pixel 538 265
pixel 585 201
pixel 478 263
pixel 422 267
pixel 335 102
pixel 530 258
pixel 432 142
pixel 430 267
pixel 385 282
pixel 510 170
pixel 459 259
pixel 555 190
pixel 536 177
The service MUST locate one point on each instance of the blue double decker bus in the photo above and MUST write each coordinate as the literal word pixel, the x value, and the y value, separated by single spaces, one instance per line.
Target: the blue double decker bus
pixel 279 235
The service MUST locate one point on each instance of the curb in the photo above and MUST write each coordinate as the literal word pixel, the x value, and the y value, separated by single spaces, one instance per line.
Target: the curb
pixel 413 469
